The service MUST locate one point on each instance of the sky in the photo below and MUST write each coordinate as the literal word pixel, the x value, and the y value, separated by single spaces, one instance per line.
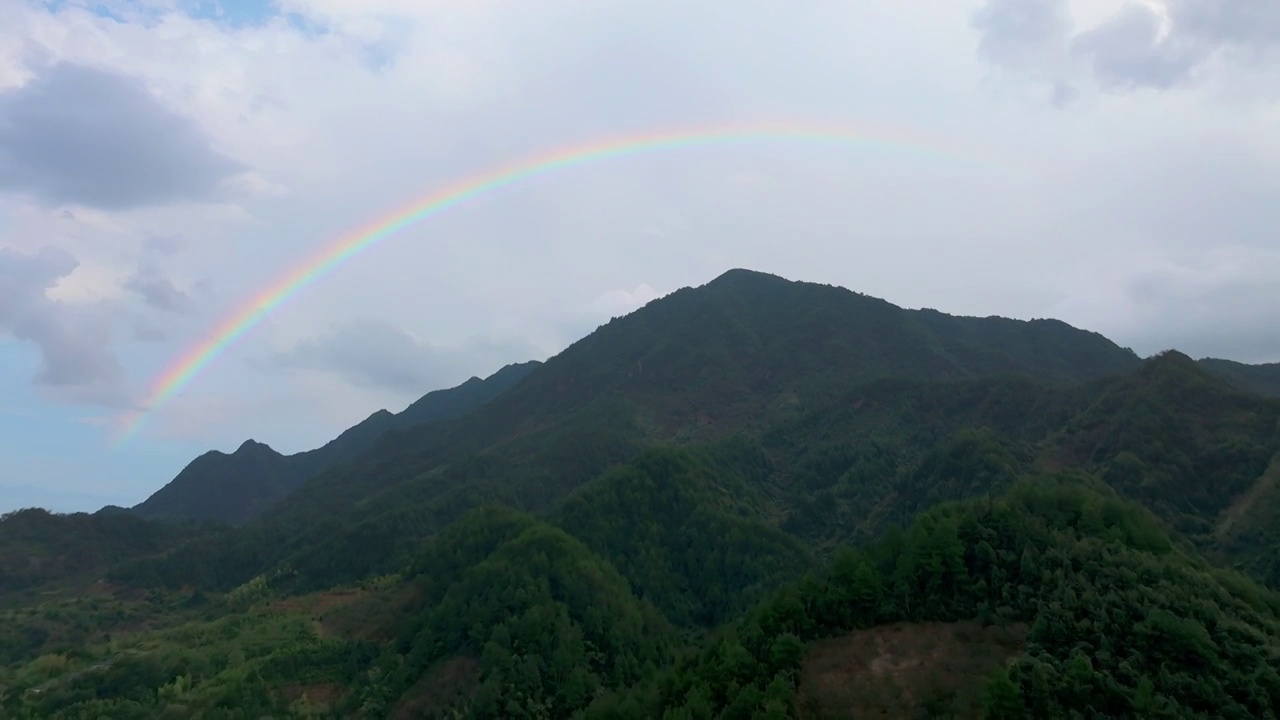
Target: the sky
pixel 162 162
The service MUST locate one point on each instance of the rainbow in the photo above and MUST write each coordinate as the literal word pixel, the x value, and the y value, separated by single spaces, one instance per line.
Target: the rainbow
pixel 244 318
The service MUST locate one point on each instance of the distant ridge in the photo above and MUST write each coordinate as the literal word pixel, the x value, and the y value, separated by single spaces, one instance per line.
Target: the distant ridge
pixel 231 488
pixel 1261 379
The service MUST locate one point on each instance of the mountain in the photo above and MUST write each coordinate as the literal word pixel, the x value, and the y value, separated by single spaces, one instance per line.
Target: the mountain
pixel 1259 379
pixel 221 487
pixel 755 498
pixel 233 488
pixel 743 353
pixel 1181 441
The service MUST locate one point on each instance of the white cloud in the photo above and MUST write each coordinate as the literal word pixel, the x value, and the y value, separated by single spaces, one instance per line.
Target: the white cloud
pixel 621 302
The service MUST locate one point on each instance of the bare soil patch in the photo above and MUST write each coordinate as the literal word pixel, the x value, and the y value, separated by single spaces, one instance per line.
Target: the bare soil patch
pixel 371 616
pixel 444 687
pixel 905 670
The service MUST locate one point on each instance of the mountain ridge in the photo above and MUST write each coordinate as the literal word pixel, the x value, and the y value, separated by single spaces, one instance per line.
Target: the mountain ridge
pixel 233 487
pixel 1055 349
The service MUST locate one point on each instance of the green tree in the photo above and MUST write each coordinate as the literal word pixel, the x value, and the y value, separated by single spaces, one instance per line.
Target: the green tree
pixel 1002 698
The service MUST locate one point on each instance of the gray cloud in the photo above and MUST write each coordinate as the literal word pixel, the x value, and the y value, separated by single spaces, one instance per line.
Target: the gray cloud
pixel 1128 51
pixel 1017 31
pixel 1138 47
pixel 1229 312
pixel 1246 23
pixel 143 329
pixel 375 354
pixel 82 135
pixel 155 289
pixel 161 245
pixel 74 341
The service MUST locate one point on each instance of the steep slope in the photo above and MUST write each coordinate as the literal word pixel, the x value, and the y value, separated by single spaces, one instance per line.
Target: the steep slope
pixel 233 488
pixel 686 539
pixel 1259 379
pixel 1248 530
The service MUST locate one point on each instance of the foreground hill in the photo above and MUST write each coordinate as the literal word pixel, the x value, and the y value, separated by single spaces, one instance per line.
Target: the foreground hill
pixel 233 488
pixel 38 547
pixel 1054 599
pixel 1119 623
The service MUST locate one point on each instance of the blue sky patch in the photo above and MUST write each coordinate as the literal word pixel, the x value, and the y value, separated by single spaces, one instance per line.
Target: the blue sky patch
pixel 235 13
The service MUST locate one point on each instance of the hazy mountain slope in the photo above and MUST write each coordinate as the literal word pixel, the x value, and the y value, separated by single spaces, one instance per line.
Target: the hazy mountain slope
pixel 1175 438
pixel 1248 531
pixel 233 488
pixel 1259 379
pixel 1186 444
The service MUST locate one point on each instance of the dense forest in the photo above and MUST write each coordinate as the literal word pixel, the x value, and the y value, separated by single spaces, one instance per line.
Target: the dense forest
pixel 751 499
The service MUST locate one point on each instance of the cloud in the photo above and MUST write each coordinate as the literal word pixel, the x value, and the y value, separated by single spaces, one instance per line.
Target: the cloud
pixel 376 354
pixel 1013 32
pixel 82 135
pixel 1134 50
pixel 1251 24
pixel 161 245
pixel 1224 304
pixel 74 339
pixel 621 302
pixel 1152 44
pixel 155 289
pixel 151 282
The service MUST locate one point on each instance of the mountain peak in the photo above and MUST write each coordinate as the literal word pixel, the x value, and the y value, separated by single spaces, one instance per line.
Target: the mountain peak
pixel 1169 363
pixel 253 446
pixel 737 276
pixel 745 278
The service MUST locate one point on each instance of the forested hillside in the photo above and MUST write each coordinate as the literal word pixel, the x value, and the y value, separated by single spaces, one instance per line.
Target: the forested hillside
pixel 752 499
